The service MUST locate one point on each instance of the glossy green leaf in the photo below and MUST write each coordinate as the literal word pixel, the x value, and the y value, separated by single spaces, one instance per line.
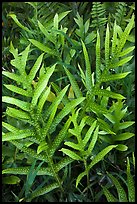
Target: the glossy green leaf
pixel 42 100
pixel 35 68
pixel 43 47
pixel 121 62
pixel 123 136
pixel 9 127
pixel 121 192
pixel 59 138
pixel 11 180
pixel 21 104
pixel 13 76
pixel 114 39
pixel 44 190
pixel 17 136
pixel 18 114
pixel 109 196
pixel 73 145
pixel 80 176
pixel 122 147
pixel 67 109
pixel 74 84
pixel 126 51
pixel 130 183
pixel 71 154
pixel 98 61
pixel 125 125
pixel 89 132
pixel 42 83
pixel 113 77
pixel 94 140
pixel 110 94
pixel 13 16
pixel 88 68
pixel 107 47
pixel 17 90
pixel 101 155
pixel 56 23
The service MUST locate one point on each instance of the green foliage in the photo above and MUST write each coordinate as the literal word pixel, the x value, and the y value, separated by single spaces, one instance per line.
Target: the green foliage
pixel 67 98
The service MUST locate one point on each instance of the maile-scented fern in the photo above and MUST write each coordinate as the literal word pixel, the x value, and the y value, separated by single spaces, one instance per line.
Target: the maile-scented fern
pixel 36 139
pixel 97 102
pixel 122 195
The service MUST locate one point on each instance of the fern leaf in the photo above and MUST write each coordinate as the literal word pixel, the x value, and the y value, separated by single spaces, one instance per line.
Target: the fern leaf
pixel 74 84
pixel 93 141
pixel 59 138
pixel 42 84
pixel 35 68
pixel 121 192
pixel 44 190
pixel 98 62
pixel 42 100
pixel 43 47
pixel 101 155
pixel 17 136
pixel 71 154
pixel 14 17
pixel 9 127
pixel 17 113
pixel 56 23
pixel 73 145
pixel 125 124
pixel 89 132
pixel 97 108
pixel 67 109
pixel 29 151
pixel 122 147
pixel 107 47
pixel 45 32
pixel 114 39
pixel 121 62
pixel 62 163
pixel 13 76
pixel 88 68
pixel 80 176
pixel 126 51
pixel 17 90
pixel 130 183
pixel 109 94
pixel 21 104
pixel 123 136
pixel 114 76
pixel 109 196
pixel 125 35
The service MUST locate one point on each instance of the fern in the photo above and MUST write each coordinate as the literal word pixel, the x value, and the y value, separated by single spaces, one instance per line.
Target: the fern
pixel 98 15
pixel 30 111
pixel 122 195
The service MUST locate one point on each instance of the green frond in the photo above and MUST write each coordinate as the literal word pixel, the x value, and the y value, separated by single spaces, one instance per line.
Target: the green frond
pixel 74 84
pixel 21 104
pixel 35 68
pixel 17 90
pixel 107 52
pixel 59 138
pixel 66 110
pixel 88 69
pixel 101 155
pixel 19 114
pixel 121 192
pixel 42 83
pixel 109 196
pixel 98 60
pixel 17 136
pixel 71 154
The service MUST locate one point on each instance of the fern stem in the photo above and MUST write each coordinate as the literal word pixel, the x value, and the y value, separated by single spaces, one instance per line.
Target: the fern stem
pixel 51 163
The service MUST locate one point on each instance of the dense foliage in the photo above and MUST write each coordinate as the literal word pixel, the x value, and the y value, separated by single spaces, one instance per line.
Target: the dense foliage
pixel 68 101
